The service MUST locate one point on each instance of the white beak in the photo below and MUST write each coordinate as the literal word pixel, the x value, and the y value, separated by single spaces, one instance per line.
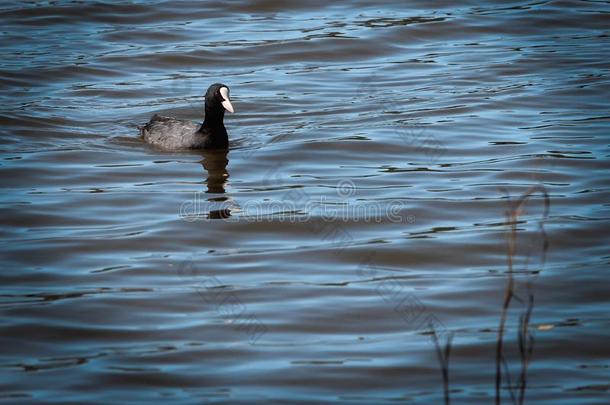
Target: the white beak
pixel 224 92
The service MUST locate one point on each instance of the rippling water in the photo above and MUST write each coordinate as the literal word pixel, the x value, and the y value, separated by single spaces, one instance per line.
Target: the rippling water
pixel 375 151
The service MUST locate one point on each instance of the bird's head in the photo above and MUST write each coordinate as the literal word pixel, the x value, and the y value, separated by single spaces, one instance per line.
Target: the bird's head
pixel 217 97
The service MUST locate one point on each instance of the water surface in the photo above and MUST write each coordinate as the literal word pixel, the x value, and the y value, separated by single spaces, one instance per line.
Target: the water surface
pixel 375 150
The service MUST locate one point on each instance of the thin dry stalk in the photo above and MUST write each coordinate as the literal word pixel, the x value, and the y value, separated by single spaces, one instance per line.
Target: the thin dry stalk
pixel 526 347
pixel 512 214
pixel 443 359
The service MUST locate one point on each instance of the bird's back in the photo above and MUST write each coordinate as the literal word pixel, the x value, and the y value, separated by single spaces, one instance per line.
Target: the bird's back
pixel 171 133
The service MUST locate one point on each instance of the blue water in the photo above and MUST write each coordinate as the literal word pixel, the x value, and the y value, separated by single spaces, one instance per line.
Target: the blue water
pixel 375 151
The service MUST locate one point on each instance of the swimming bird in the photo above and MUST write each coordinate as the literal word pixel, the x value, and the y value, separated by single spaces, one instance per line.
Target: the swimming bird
pixel 173 134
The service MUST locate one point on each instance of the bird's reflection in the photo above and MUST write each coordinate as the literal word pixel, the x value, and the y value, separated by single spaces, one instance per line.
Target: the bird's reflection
pixel 215 164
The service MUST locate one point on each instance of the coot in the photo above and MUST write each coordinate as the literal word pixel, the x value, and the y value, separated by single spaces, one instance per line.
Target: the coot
pixel 172 134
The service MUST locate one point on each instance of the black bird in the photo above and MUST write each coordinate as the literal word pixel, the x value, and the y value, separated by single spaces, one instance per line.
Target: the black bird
pixel 171 134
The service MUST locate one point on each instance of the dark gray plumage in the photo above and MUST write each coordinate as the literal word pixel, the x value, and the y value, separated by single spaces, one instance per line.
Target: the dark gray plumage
pixel 173 134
